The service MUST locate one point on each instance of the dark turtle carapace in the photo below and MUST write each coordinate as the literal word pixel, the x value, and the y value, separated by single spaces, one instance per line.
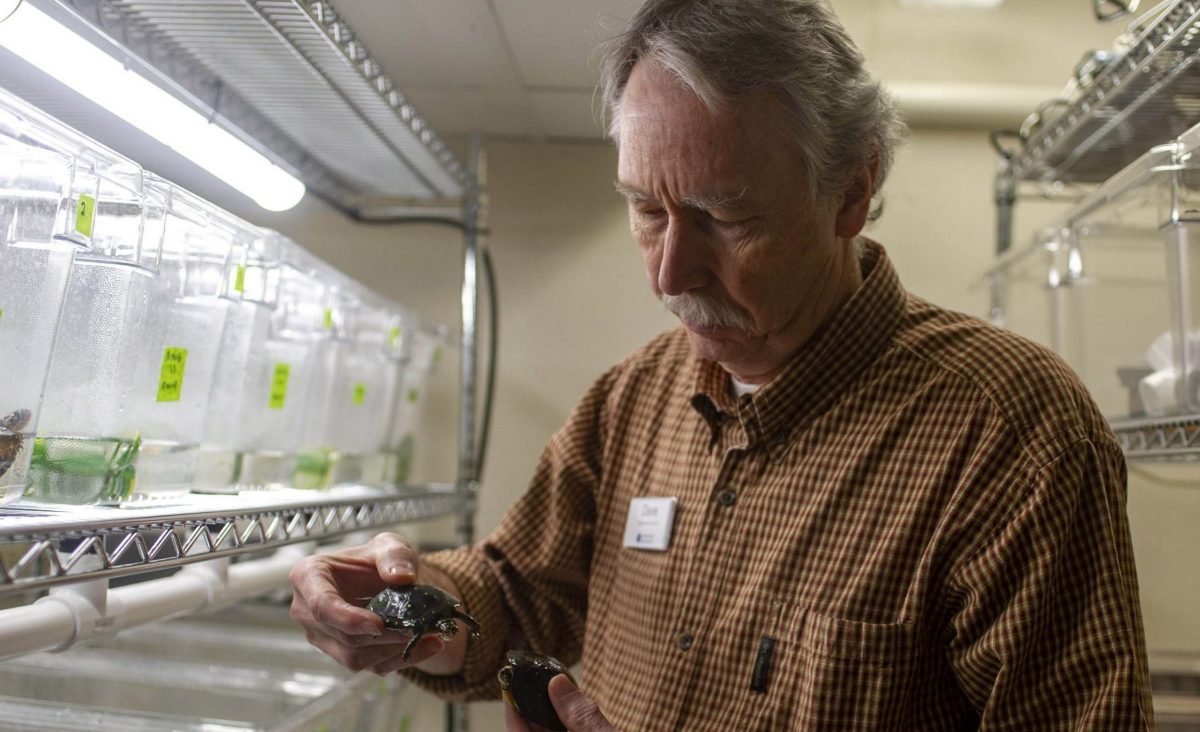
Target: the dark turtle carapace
pixel 11 437
pixel 525 682
pixel 421 609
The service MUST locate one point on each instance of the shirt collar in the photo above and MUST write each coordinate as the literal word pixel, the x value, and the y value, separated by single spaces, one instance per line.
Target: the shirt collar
pixel 836 355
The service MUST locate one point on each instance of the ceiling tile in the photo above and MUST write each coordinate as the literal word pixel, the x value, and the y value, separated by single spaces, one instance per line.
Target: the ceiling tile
pixel 459 111
pixel 554 41
pixel 433 42
pixel 567 114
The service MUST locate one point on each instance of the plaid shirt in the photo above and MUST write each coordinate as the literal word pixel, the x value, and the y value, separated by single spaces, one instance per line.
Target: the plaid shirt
pixel 925 513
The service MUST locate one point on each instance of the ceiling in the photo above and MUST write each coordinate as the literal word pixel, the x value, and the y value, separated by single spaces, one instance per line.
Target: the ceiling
pixel 527 68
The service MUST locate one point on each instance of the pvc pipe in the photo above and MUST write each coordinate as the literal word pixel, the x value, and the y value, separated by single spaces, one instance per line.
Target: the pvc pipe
pixel 32 628
pixel 74 613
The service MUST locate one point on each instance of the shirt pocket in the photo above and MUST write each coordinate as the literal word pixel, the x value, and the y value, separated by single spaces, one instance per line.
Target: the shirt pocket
pixel 835 674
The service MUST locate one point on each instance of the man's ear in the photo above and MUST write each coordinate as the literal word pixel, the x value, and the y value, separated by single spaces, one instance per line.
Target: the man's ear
pixel 856 199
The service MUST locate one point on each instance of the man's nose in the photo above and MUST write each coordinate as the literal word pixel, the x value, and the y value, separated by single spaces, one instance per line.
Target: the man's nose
pixel 682 266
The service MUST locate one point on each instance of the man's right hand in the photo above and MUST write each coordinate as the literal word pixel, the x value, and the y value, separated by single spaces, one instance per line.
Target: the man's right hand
pixel 331 589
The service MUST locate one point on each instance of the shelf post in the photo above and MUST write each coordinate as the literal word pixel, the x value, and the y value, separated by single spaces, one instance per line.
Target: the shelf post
pixel 468 458
pixel 1006 196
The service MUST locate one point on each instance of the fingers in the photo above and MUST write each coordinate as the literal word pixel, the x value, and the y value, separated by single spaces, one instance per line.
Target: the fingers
pixel 577 712
pixel 395 560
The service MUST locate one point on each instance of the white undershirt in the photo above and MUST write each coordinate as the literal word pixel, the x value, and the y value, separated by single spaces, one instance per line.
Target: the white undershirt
pixel 740 388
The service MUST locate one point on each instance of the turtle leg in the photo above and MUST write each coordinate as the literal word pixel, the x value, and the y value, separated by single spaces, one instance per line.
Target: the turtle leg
pixel 471 623
pixel 416 638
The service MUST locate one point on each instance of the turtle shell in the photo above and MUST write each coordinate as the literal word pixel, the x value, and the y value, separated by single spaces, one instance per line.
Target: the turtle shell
pixel 524 683
pixel 420 609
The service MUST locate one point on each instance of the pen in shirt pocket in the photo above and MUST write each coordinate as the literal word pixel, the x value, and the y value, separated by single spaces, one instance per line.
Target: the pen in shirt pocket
pixel 760 676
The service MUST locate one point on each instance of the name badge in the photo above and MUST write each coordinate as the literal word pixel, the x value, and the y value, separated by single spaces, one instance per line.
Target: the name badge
pixel 649 523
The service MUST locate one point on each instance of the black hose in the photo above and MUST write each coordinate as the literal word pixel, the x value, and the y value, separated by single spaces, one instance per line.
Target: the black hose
pixel 485 422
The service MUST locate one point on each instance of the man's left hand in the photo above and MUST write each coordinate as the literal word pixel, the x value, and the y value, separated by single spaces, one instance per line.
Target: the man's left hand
pixel 577 712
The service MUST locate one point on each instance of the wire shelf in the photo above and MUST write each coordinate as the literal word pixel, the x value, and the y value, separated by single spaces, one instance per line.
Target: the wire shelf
pixel 40 548
pixel 1147 96
pixel 1167 439
pixel 294 79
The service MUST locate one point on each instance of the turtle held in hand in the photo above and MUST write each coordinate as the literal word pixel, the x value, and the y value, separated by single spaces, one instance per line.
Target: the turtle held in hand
pixel 421 609
pixel 525 682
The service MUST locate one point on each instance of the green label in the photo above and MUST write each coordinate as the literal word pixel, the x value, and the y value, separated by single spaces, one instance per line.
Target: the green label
pixel 404 723
pixel 412 396
pixel 1 313
pixel 85 215
pixel 329 318
pixel 239 282
pixel 437 355
pixel 394 335
pixel 170 379
pixel 279 385
pixel 360 394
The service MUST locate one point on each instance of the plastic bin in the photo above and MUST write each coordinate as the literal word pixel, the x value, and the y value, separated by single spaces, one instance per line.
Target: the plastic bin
pixel 422 346
pixel 365 381
pixel 85 447
pixel 1124 311
pixel 253 297
pixel 59 193
pixel 176 357
pixel 261 636
pixel 162 692
pixel 281 370
pixel 329 383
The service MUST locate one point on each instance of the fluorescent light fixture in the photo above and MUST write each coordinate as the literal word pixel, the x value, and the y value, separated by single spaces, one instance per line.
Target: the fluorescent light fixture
pixel 61 53
pixel 952 3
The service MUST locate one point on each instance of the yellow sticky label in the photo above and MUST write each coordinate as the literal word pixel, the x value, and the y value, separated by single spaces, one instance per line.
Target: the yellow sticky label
pixel 170 379
pixel 360 394
pixel 329 318
pixel 437 355
pixel 412 396
pixel 279 385
pixel 394 335
pixel 85 215
pixel 1 313
pixel 239 281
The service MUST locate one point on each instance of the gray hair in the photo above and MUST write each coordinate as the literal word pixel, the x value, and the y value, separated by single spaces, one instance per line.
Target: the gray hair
pixel 794 49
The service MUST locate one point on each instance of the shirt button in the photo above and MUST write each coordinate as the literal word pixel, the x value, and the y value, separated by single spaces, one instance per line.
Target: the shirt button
pixel 684 641
pixel 727 497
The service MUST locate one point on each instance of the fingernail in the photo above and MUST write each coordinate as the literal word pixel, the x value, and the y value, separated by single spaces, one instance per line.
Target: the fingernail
pixel 401 568
pixel 368 629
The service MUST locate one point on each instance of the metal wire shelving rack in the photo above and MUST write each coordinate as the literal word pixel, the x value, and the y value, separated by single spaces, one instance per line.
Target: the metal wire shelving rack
pixel 290 78
pixel 1146 95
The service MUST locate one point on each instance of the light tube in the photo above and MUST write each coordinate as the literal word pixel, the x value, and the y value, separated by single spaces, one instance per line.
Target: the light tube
pixel 68 57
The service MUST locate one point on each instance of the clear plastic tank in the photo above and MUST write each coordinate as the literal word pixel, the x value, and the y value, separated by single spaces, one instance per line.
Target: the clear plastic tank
pixel 84 448
pixel 422 350
pixel 253 296
pixel 176 357
pixel 46 173
pixel 280 371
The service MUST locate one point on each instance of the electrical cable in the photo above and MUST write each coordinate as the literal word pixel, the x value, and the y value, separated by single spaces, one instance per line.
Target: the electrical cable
pixel 485 421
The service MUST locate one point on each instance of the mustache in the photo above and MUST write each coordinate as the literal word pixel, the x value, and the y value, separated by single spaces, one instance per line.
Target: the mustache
pixel 706 311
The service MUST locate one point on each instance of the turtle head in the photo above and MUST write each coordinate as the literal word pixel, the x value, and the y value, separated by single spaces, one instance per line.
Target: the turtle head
pixel 446 628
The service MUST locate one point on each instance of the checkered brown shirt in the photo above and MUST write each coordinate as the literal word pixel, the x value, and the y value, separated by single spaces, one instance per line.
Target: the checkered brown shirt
pixel 925 512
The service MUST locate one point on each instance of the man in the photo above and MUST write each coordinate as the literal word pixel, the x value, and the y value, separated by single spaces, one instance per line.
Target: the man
pixel 886 515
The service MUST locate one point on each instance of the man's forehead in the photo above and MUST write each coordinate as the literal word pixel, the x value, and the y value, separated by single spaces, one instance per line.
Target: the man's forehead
pixel 715 198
